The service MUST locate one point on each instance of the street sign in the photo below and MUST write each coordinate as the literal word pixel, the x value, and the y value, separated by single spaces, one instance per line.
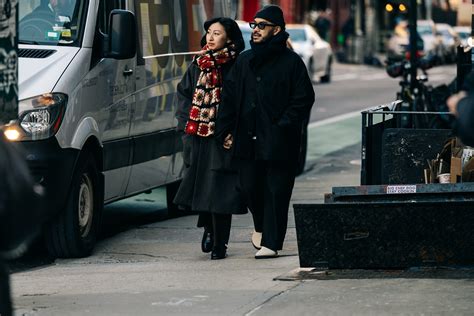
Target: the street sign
pixel 8 61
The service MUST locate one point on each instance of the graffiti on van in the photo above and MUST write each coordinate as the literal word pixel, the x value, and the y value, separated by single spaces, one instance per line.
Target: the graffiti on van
pixel 8 62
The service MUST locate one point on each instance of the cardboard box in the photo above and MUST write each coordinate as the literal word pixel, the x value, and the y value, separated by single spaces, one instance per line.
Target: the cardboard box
pixel 455 169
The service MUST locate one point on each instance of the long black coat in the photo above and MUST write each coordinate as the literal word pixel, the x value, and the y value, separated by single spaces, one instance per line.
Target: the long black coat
pixel 465 122
pixel 268 99
pixel 209 182
pixel 464 125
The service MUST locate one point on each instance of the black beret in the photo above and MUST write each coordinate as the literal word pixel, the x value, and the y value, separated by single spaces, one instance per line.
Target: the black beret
pixel 272 13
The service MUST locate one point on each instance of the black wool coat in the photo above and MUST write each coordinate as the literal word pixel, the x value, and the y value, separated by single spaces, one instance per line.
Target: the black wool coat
pixel 465 123
pixel 210 183
pixel 267 98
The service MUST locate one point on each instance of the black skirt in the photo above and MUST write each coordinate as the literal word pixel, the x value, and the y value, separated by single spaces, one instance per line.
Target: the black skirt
pixel 210 183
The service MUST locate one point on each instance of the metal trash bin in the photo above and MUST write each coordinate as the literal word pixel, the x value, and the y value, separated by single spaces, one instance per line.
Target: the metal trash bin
pixel 393 220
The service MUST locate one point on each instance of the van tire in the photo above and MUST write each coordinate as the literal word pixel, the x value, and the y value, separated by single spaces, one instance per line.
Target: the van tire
pixel 74 232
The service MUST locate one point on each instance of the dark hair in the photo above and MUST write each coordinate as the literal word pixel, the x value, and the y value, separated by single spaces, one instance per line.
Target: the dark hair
pixel 232 30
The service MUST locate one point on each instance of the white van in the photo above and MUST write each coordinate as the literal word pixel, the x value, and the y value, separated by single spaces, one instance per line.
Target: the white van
pixel 97 83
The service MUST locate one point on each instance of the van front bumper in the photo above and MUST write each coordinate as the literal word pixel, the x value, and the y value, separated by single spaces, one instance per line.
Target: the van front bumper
pixel 52 167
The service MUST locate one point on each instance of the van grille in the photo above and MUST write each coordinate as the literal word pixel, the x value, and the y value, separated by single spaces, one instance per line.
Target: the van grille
pixel 35 53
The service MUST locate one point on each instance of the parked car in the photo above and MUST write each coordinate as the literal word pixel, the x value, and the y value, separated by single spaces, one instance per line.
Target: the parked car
pixel 246 33
pixel 398 46
pixel 315 52
pixel 432 42
pixel 464 33
pixel 449 39
pixel 398 43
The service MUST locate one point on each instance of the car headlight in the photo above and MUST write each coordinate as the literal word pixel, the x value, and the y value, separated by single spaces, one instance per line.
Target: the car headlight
pixel 42 118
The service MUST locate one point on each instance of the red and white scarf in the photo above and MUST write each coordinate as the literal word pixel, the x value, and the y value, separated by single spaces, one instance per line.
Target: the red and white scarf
pixel 207 95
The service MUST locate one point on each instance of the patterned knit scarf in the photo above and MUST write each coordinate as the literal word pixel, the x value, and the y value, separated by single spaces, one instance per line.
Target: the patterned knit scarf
pixel 207 95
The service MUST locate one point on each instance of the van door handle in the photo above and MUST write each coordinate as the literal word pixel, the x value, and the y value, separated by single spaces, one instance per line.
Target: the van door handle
pixel 127 72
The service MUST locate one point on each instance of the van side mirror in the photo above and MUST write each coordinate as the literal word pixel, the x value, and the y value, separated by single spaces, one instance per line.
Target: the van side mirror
pixel 121 40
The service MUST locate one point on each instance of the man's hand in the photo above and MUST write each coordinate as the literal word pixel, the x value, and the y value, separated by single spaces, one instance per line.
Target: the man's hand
pixel 228 141
pixel 453 100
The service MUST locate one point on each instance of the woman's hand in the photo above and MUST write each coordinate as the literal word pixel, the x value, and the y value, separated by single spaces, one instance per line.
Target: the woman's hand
pixel 228 141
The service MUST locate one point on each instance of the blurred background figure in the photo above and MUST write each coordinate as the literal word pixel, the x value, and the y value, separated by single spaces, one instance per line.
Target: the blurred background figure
pixel 348 30
pixel 461 105
pixel 20 213
pixel 322 24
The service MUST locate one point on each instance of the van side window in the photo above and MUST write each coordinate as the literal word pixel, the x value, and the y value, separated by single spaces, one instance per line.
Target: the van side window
pixel 105 7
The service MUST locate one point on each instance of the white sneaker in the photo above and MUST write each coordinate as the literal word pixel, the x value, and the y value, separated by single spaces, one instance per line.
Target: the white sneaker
pixel 266 253
pixel 256 240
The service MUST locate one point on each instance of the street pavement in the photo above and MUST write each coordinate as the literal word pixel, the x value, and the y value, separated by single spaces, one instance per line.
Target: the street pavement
pixel 157 267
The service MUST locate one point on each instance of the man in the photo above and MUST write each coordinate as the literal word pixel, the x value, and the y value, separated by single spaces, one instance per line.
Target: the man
pixel 53 6
pixel 48 10
pixel 266 99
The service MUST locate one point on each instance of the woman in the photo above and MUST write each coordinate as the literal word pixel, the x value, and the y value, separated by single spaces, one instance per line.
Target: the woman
pixel 209 182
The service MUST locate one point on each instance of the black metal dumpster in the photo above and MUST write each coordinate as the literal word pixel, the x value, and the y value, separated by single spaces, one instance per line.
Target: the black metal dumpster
pixel 393 220
pixel 388 226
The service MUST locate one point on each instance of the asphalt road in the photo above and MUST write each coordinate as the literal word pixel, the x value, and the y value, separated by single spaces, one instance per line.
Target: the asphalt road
pixel 357 87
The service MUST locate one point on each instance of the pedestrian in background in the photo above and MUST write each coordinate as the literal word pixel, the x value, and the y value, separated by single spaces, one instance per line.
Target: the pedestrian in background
pixel 210 182
pixel 266 99
pixel 21 215
pixel 322 24
pixel 461 105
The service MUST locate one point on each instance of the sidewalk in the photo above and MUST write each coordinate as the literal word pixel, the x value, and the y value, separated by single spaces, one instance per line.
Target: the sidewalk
pixel 159 269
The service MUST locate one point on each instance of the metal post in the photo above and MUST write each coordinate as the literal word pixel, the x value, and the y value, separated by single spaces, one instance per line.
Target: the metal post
pixel 472 31
pixel 413 44
pixel 9 66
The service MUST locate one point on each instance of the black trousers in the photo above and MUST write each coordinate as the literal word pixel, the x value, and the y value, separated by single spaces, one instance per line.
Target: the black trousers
pixel 267 188
pixel 218 225
pixel 5 300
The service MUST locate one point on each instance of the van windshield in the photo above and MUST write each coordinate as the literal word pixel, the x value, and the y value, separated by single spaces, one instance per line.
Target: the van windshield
pixel 51 22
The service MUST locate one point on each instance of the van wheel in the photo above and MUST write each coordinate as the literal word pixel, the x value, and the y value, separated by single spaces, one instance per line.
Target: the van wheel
pixel 74 232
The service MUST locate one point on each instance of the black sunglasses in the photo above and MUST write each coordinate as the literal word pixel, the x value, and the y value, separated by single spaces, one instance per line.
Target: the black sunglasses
pixel 260 25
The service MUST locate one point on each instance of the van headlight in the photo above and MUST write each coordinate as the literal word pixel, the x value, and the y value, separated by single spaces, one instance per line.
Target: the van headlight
pixel 43 116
